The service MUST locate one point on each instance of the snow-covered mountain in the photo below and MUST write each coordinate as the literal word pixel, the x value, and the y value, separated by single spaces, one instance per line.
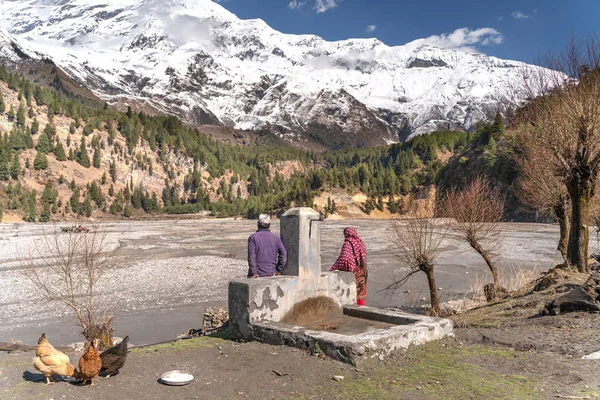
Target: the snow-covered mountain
pixel 195 59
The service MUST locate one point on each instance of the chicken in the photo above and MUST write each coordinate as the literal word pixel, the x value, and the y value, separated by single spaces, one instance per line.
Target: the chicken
pixel 50 361
pixel 90 363
pixel 114 358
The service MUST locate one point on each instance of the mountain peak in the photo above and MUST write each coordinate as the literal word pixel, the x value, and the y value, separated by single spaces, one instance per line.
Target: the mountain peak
pixel 197 60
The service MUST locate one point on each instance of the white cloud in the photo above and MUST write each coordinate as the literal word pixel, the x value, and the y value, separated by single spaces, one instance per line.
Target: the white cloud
pixel 319 5
pixel 464 39
pixel 371 28
pixel 519 15
pixel 323 5
pixel 296 5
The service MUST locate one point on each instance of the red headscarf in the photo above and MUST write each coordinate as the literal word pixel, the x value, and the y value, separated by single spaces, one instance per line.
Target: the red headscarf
pixel 353 252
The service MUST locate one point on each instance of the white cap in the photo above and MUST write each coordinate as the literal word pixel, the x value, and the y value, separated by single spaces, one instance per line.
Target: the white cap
pixel 264 219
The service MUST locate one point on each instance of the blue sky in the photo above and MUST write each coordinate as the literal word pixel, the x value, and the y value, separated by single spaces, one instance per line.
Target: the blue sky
pixel 515 29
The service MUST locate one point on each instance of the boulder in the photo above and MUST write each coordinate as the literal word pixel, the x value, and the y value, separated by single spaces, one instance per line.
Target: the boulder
pixel 578 299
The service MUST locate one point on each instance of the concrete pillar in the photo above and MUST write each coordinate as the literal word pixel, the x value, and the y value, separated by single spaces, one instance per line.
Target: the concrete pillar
pixel 301 234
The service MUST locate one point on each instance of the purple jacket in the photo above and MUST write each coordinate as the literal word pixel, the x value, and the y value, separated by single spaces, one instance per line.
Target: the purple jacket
pixel 266 253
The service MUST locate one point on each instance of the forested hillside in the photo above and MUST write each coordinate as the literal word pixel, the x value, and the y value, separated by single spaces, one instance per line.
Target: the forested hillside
pixel 60 159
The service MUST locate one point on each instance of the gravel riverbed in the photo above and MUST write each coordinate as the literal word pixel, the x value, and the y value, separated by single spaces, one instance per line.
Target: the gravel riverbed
pixel 169 271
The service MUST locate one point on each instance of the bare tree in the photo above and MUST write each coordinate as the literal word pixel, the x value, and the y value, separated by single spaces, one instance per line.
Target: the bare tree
pixel 477 210
pixel 539 187
pixel 418 241
pixel 66 267
pixel 564 117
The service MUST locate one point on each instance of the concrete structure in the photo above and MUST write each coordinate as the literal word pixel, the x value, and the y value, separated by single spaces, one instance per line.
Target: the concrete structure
pixel 259 307
pixel 270 299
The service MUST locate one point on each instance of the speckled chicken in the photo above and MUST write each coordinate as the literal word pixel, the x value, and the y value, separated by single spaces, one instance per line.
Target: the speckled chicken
pixel 50 361
pixel 114 358
pixel 90 363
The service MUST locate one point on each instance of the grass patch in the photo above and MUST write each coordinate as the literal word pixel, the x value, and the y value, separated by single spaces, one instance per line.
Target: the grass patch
pixel 440 371
pixel 203 342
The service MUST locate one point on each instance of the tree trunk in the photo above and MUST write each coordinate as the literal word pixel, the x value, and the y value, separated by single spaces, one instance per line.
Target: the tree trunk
pixel 488 260
pixel 433 295
pixel 560 211
pixel 577 250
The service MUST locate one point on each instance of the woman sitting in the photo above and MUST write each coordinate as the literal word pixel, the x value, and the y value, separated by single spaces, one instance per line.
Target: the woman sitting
pixel 353 258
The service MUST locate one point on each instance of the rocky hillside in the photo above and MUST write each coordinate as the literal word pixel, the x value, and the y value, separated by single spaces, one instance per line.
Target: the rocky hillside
pixel 75 164
pixel 243 74
pixel 62 159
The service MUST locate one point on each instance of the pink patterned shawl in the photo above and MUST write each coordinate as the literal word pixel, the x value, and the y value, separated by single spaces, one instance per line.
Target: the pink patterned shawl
pixel 348 259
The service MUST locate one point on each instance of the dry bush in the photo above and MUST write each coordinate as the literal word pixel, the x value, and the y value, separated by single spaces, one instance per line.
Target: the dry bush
pixel 66 267
pixel 513 279
pixel 418 241
pixel 477 210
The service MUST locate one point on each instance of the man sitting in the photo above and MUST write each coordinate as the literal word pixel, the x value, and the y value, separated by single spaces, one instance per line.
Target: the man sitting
pixel 267 255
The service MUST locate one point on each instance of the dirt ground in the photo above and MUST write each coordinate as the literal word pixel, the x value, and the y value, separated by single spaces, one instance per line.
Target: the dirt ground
pixel 503 350
pixel 224 369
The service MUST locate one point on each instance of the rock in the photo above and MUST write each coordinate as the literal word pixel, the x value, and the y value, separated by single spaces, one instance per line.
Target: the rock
pixel 215 317
pixel 338 378
pixel 593 356
pixel 578 299
pixel 492 292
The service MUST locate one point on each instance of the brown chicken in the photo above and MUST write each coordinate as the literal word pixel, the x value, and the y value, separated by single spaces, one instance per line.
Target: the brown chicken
pixel 50 361
pixel 114 358
pixel 89 364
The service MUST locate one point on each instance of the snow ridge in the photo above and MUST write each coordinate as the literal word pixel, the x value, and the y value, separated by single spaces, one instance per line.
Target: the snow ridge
pixel 197 60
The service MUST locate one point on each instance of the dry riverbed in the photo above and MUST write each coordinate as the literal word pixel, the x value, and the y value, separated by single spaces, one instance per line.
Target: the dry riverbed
pixel 169 271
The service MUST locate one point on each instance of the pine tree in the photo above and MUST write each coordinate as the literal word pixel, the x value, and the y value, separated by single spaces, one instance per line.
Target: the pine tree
pixel 1 212
pixel 45 214
pixel 498 125
pixel 113 171
pixel 31 207
pixel 86 208
pixel 41 161
pixel 11 113
pixel 4 168
pixel 71 154
pixel 35 126
pixel 74 200
pixel 59 152
pixel 17 139
pixel 97 157
pixel 30 112
pixel 103 179
pixel 82 157
pixel 50 131
pixel 49 194
pixel 21 115
pixel 43 145
pixel 15 167
pixel 29 140
pixel 2 105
